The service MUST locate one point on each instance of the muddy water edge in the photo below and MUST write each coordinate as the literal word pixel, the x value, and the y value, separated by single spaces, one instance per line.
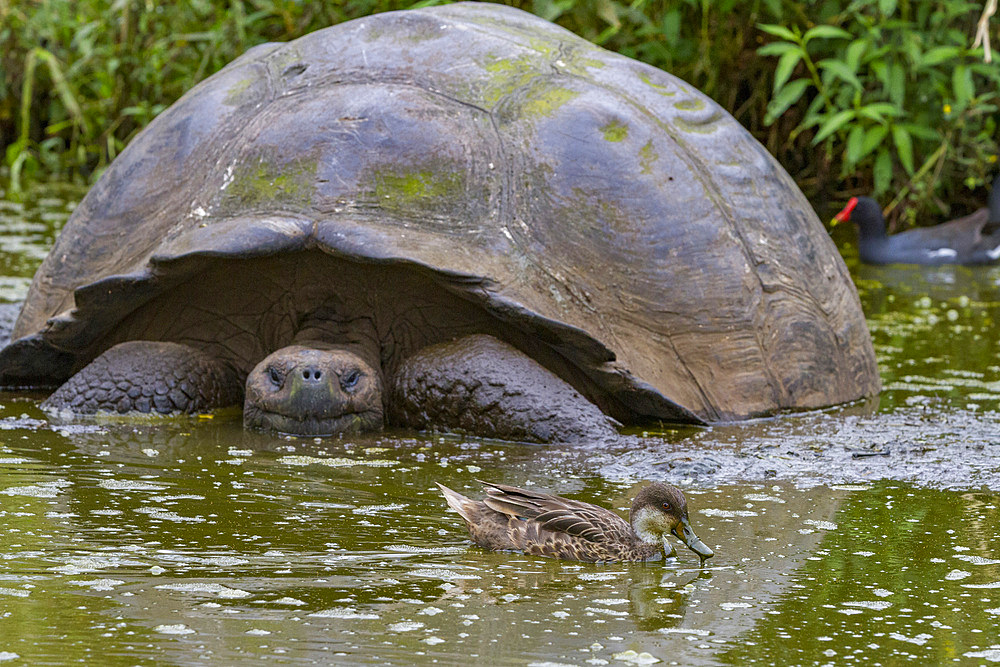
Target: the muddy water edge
pixel 868 534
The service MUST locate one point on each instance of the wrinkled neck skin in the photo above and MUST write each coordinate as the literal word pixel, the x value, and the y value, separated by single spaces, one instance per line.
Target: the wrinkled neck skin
pixel 326 329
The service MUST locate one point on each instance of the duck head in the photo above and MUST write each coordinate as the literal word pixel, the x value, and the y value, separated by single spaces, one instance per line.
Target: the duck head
pixel 660 509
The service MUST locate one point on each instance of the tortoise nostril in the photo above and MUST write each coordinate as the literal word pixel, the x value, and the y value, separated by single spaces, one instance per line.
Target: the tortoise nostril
pixel 312 374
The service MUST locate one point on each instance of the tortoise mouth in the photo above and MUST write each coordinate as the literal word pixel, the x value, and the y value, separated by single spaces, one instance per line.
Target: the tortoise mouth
pixel 312 425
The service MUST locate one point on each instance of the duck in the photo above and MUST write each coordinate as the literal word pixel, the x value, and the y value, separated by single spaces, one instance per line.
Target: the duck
pixel 974 239
pixel 540 524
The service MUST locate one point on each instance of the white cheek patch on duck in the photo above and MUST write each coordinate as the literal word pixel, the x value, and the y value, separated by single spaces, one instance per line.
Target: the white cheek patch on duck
pixel 649 525
pixel 994 254
pixel 948 253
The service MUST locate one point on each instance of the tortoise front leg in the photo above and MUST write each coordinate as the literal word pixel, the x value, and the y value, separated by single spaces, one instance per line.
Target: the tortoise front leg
pixel 485 387
pixel 147 376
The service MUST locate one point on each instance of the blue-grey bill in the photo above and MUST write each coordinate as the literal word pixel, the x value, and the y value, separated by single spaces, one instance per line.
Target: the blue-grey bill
pixel 693 543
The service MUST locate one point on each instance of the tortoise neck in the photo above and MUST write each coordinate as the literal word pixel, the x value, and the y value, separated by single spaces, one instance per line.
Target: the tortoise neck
pixel 327 329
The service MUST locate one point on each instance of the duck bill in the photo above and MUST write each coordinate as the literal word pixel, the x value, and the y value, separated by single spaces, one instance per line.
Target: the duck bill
pixel 684 532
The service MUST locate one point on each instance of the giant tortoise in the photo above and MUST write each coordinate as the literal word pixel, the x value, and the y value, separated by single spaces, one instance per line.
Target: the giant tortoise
pixel 457 218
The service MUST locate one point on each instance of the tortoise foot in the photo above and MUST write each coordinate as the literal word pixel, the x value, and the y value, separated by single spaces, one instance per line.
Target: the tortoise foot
pixel 146 377
pixel 480 385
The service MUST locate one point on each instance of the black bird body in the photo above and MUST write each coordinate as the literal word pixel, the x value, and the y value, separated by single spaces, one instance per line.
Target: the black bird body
pixel 973 239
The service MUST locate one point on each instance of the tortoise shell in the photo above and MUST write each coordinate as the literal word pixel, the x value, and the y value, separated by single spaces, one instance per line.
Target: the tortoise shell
pixel 615 222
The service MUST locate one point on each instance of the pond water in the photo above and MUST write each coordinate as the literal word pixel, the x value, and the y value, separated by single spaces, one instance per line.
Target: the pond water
pixel 868 534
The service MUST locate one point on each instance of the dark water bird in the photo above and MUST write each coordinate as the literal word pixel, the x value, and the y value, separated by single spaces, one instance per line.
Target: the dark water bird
pixel 513 519
pixel 974 239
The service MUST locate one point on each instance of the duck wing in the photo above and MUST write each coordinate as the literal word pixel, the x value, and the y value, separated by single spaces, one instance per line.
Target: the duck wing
pixel 557 514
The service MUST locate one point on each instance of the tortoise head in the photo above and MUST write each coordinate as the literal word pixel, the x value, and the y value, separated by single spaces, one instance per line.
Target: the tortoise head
pixel 307 390
pixel 659 509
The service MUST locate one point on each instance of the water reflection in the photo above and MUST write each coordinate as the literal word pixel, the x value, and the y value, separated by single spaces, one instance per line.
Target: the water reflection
pixel 920 591
pixel 346 548
pixel 27 230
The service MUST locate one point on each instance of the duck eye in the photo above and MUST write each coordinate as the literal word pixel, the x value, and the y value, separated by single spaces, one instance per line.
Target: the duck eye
pixel 349 380
pixel 275 376
pixel 666 506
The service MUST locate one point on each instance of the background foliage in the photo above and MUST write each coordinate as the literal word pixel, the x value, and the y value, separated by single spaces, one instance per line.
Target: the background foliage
pixel 881 96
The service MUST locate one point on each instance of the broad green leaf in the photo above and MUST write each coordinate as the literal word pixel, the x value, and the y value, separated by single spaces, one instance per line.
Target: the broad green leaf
pixel 874 137
pixel 877 111
pixel 841 71
pixel 853 53
pixel 961 83
pixel 922 132
pixel 904 147
pixel 786 64
pixel 990 71
pixel 912 46
pixel 881 72
pixel 135 111
pixel 855 140
pixel 788 96
pixel 897 84
pixel 886 108
pixel 939 54
pixel 779 31
pixel 871 114
pixel 813 110
pixel 777 48
pixel 670 26
pixel 832 124
pixel 882 171
pixel 826 31
pixel 887 7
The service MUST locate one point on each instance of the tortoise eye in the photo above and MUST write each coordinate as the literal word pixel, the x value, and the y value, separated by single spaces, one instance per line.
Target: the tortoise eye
pixel 350 379
pixel 274 375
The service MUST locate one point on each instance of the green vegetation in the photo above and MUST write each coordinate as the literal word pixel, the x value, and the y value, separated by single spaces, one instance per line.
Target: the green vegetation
pixel 79 78
pixel 894 92
pixel 884 96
